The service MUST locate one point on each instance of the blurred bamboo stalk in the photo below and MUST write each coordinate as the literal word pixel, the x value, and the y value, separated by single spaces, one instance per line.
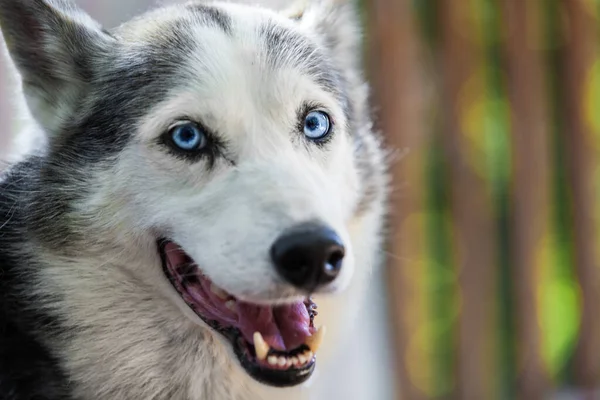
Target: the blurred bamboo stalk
pixel 531 186
pixel 396 77
pixel 578 57
pixel 474 231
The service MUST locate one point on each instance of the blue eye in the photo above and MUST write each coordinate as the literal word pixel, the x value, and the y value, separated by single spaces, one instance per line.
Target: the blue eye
pixel 188 136
pixel 317 125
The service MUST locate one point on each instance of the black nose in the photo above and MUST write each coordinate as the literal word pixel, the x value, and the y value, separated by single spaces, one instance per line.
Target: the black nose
pixel 308 256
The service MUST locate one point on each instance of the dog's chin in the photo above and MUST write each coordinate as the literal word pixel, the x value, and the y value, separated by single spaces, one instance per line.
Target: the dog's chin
pixel 275 344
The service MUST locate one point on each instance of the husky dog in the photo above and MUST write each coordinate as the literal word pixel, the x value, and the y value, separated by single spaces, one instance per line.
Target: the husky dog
pixel 210 177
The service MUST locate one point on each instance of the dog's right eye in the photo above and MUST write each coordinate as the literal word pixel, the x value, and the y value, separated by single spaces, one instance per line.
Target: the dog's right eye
pixel 188 136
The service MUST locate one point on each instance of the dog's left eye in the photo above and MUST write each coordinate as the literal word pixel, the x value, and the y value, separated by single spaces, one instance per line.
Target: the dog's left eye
pixel 188 136
pixel 317 125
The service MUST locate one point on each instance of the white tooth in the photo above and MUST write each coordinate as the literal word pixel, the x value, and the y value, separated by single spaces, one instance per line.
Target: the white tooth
pixel 301 359
pixel 309 356
pixel 295 360
pixel 261 347
pixel 272 360
pixel 314 342
pixel 282 361
pixel 223 295
pixel 288 363
pixel 231 304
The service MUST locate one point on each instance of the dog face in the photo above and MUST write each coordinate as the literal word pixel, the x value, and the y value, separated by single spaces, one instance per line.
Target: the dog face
pixel 236 138
pixel 246 89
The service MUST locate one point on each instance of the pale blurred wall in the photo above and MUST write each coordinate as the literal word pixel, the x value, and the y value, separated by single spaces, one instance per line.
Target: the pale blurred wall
pixel 364 364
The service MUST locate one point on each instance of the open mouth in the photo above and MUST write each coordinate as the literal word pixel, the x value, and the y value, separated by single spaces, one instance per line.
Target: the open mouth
pixel 276 345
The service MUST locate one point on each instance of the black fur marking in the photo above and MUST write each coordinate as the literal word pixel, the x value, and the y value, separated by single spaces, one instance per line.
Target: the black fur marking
pixel 29 27
pixel 28 369
pixel 139 80
pixel 281 42
pixel 111 109
pixel 287 47
pixel 213 15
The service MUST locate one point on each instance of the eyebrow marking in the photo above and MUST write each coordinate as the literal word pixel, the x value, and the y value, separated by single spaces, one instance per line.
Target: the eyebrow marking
pixel 286 48
pixel 213 16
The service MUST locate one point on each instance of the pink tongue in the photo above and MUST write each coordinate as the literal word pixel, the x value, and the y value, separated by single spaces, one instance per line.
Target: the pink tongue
pixel 283 327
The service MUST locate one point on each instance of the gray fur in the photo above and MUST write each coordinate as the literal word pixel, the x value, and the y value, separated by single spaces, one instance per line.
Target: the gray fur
pixel 78 223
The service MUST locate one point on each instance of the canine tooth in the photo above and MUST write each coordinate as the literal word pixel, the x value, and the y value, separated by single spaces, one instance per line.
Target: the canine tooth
pixel 314 342
pixel 261 347
pixel 282 361
pixel 272 360
pixel 301 359
pixel 288 363
pixel 309 356
pixel 223 295
pixel 295 360
pixel 231 305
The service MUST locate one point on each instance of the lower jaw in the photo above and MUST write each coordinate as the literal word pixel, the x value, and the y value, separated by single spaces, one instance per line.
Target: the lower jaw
pixel 269 376
pixel 273 375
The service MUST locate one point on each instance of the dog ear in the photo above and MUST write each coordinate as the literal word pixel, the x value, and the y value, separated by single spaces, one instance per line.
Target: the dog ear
pixel 53 45
pixel 336 22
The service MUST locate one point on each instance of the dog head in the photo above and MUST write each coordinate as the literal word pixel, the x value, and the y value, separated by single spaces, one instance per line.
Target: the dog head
pixel 237 138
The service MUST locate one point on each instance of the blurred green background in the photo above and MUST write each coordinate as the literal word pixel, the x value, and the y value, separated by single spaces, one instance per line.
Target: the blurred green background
pixel 493 265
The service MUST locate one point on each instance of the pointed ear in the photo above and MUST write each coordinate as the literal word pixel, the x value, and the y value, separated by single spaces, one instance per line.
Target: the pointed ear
pixel 336 22
pixel 54 46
